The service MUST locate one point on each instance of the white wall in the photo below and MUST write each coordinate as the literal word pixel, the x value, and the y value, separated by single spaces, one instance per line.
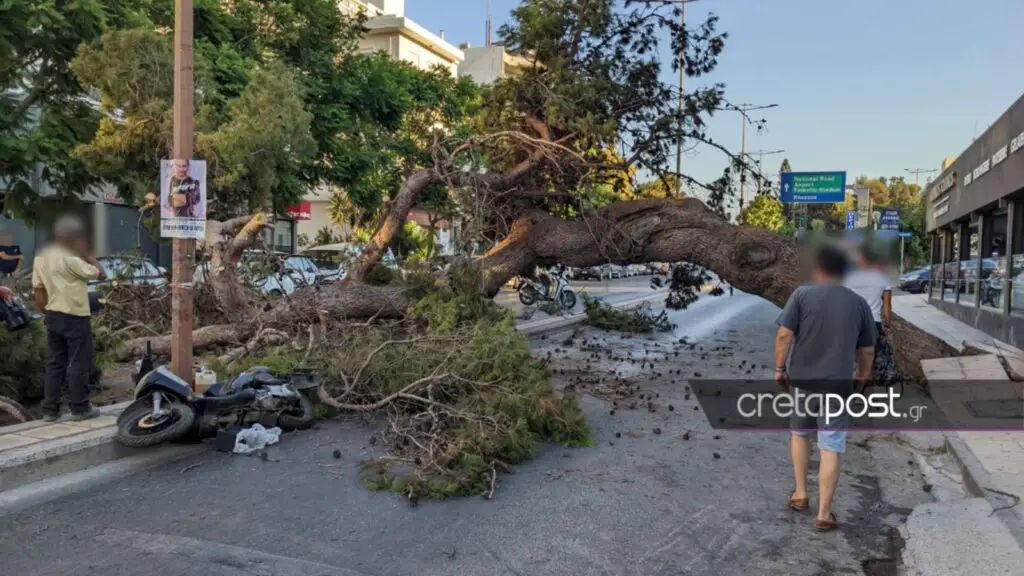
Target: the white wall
pixel 387 43
pixel 390 7
pixel 484 65
pixel 421 57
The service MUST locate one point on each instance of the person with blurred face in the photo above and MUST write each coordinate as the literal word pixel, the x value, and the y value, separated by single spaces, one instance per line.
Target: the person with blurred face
pixel 184 191
pixel 824 330
pixel 60 277
pixel 871 283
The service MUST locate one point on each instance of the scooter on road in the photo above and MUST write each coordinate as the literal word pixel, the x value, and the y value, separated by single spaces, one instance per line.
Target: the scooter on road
pixel 166 408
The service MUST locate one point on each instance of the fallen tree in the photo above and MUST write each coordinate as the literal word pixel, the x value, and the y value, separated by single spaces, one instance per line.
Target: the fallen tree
pixel 752 259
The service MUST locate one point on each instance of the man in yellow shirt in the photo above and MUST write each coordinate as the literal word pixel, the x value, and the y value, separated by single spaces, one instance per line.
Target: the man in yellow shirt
pixel 60 278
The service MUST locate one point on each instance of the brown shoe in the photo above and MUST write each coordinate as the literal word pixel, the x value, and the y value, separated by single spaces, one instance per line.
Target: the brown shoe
pixel 827 525
pixel 799 504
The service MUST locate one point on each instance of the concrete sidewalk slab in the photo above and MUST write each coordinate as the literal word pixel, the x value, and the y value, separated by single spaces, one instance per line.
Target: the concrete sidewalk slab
pixel 959 537
pixel 915 309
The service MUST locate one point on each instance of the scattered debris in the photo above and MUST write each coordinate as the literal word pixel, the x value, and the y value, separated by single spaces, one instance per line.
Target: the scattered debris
pixel 190 467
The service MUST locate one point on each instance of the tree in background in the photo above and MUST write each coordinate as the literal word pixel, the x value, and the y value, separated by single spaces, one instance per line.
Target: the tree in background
pixel 765 212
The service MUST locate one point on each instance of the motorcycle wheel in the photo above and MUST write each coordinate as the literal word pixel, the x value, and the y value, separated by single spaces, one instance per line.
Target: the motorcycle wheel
pixel 299 417
pixel 568 299
pixel 527 295
pixel 138 429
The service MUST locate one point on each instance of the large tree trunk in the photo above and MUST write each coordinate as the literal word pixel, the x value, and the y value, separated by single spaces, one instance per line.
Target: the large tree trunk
pixel 753 260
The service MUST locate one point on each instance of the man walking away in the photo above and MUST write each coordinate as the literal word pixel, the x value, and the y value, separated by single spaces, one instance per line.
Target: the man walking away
pixel 824 329
pixel 60 278
pixel 872 284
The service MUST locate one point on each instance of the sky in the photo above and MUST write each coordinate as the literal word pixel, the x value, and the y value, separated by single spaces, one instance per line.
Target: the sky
pixel 872 87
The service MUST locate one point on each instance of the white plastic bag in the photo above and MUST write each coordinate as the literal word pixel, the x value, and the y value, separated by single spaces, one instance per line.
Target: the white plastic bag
pixel 256 438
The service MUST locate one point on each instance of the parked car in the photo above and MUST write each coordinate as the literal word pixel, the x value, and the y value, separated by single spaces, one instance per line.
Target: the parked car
pixel 592 273
pixel 138 271
pixel 274 275
pixel 915 281
pixel 333 259
pixel 969 272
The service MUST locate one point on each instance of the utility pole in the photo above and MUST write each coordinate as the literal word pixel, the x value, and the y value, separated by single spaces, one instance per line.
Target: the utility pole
pixel 183 249
pixel 917 173
pixel 682 97
pixel 743 109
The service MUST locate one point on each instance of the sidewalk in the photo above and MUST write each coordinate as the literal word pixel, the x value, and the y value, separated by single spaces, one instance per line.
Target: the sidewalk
pixel 992 462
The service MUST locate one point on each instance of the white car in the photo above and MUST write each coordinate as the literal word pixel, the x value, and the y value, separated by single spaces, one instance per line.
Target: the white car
pixel 295 272
pixel 138 271
pixel 334 258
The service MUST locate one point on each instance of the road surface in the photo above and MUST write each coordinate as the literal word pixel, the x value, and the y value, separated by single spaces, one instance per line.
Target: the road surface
pixel 611 291
pixel 636 504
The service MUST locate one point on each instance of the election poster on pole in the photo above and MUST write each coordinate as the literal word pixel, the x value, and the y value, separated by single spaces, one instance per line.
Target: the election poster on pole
pixel 183 199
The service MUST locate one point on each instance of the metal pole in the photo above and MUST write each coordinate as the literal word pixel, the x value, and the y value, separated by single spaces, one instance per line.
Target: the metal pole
pixel 682 78
pixel 743 163
pixel 901 255
pixel 183 249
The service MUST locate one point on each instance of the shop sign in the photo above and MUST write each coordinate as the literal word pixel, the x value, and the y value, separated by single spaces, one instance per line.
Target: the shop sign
pixel 302 211
pixel 1017 143
pixel 942 210
pixel 942 186
pixel 999 156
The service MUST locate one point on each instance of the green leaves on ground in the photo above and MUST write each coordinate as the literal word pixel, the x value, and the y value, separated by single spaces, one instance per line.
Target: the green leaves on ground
pixel 462 396
pixel 639 320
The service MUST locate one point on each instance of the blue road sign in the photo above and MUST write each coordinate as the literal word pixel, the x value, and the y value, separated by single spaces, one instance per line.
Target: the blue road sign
pixel 890 219
pixel 851 220
pixel 906 234
pixel 813 187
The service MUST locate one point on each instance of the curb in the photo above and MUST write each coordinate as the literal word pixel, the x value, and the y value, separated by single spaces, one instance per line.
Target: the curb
pixel 979 483
pixel 60 455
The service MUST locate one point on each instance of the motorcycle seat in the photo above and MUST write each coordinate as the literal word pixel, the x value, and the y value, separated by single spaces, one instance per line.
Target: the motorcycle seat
pixel 256 377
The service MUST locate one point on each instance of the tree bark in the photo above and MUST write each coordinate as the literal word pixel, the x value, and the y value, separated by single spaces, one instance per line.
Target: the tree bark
pixel 753 260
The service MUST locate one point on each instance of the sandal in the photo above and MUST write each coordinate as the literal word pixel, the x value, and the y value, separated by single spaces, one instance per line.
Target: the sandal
pixel 827 525
pixel 799 504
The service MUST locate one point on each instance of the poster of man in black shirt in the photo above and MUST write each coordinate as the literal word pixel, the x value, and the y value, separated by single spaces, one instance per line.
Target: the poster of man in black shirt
pixel 182 198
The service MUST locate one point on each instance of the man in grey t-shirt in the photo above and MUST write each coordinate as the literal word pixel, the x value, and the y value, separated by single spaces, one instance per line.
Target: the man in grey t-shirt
pixel 824 329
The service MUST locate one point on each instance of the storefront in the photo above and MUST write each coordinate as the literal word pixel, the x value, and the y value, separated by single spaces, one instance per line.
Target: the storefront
pixel 975 218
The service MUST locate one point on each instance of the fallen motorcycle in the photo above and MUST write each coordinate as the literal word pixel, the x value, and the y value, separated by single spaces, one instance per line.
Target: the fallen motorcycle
pixel 166 408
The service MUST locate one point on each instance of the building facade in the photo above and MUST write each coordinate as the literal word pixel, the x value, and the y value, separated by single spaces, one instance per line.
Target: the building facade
pixel 488 64
pixel 391 32
pixel 975 217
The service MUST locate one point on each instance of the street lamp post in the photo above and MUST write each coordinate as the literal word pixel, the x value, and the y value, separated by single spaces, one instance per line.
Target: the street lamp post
pixel 917 174
pixel 183 249
pixel 682 95
pixel 743 109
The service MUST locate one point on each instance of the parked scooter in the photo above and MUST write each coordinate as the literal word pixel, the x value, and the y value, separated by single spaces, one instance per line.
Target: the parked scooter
pixel 532 291
pixel 166 408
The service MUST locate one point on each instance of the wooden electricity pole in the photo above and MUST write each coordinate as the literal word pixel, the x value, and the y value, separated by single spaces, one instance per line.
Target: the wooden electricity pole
pixel 184 249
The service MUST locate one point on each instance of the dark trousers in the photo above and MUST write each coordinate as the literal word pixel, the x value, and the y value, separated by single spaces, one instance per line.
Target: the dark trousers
pixel 69 339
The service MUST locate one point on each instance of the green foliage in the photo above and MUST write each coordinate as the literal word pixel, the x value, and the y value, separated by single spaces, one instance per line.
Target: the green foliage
pixel 665 186
pixel 42 114
pixel 639 320
pixel 765 212
pixel 280 360
pixel 21 372
pixel 496 405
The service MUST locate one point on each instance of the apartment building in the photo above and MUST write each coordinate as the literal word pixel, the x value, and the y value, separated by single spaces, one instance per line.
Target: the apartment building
pixel 488 64
pixel 395 34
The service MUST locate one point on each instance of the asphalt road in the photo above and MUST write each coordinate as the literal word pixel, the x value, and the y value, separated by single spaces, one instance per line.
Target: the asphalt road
pixel 611 291
pixel 637 504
